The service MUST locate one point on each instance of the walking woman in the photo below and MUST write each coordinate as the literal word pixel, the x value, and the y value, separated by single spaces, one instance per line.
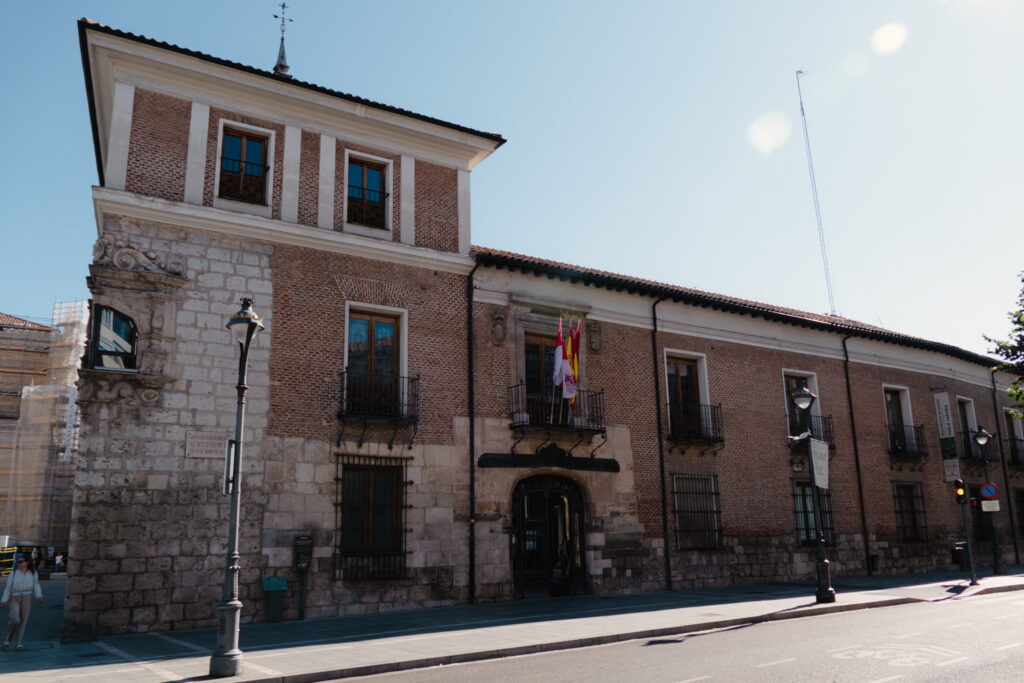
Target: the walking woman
pixel 22 584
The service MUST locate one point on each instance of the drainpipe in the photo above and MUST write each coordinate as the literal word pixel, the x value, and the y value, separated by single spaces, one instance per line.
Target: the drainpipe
pixel 1001 424
pixel 856 458
pixel 661 442
pixel 471 410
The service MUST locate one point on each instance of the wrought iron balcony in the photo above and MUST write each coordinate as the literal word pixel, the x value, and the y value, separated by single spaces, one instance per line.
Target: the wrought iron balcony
pixel 820 427
pixel 969 449
pixel 907 441
pixel 552 412
pixel 367 206
pixel 243 180
pixel 383 397
pixel 1015 453
pixel 694 422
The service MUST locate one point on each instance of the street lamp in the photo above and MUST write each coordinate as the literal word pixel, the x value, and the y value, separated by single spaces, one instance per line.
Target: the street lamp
pixel 981 437
pixel 227 658
pixel 803 399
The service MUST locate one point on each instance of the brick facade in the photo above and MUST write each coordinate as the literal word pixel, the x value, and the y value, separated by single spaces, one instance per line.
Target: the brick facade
pixel 150 518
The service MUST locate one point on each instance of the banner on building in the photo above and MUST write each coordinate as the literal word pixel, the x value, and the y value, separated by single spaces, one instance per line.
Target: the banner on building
pixel 819 461
pixel 947 437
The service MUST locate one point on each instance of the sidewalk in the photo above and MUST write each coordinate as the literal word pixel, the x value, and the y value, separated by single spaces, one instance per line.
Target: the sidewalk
pixel 324 649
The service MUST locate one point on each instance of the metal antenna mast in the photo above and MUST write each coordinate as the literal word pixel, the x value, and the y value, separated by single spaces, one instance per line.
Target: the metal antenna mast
pixel 814 193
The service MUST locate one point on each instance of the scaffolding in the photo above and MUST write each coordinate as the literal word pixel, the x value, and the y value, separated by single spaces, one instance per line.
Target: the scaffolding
pixel 46 438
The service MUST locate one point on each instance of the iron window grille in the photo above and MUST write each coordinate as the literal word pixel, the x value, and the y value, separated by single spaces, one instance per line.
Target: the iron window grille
pixel 803 508
pixel 911 526
pixel 820 426
pixel 114 340
pixel 243 167
pixel 370 510
pixel 698 511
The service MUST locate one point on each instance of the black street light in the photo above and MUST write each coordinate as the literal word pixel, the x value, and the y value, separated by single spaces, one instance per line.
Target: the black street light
pixel 227 658
pixel 981 437
pixel 803 399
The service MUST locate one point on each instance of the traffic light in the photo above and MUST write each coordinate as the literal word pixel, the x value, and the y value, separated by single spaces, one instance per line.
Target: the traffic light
pixel 961 491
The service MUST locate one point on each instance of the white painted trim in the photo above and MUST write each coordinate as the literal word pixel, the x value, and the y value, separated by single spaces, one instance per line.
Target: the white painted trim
pixel 195 166
pixel 265 210
pixel 232 223
pixel 389 184
pixel 115 172
pixel 290 174
pixel 403 331
pixel 972 417
pixel 465 232
pixel 325 198
pixel 908 413
pixel 407 209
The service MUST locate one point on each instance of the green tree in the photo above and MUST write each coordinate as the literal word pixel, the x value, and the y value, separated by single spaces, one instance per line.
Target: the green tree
pixel 1012 350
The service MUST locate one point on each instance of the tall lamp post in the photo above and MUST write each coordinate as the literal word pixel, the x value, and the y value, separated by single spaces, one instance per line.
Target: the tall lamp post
pixel 803 400
pixel 227 658
pixel 981 437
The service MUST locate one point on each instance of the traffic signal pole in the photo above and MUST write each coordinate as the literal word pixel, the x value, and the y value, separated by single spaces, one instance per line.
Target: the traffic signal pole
pixel 963 498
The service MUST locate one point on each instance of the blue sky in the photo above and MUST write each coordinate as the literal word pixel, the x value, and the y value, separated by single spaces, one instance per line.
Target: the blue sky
pixel 656 139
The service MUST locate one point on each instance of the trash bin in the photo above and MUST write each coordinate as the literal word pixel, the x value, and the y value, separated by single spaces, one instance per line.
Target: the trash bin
pixel 959 555
pixel 274 587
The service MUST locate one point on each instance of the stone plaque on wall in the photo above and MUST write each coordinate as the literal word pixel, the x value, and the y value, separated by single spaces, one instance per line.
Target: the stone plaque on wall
pixel 205 444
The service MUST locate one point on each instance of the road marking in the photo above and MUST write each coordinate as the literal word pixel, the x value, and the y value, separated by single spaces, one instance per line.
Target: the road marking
pixel 907 635
pixel 1005 616
pixel 105 672
pixel 152 668
pixel 890 678
pixel 1007 647
pixel 691 680
pixel 780 661
pixel 952 661
pixel 178 641
pixel 840 649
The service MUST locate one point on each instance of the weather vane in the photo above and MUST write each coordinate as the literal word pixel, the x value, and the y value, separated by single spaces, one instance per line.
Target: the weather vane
pixel 281 68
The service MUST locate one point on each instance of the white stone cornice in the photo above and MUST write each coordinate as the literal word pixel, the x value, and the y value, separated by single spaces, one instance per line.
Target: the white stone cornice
pixel 180 214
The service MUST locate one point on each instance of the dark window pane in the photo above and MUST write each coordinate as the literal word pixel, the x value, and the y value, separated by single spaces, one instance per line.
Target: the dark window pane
pixel 254 158
pixel 384 349
pixel 355 181
pixel 353 521
pixel 384 520
pixel 232 148
pixel 374 182
pixel 359 345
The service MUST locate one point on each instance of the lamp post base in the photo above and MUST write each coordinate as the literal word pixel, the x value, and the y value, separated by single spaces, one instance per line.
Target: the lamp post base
pixel 825 595
pixel 226 664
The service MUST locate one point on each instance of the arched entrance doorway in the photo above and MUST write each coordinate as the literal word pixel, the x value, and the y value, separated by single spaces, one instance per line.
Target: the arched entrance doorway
pixel 547 537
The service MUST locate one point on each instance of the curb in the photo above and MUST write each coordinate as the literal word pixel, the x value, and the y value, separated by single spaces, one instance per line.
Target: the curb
pixel 482 655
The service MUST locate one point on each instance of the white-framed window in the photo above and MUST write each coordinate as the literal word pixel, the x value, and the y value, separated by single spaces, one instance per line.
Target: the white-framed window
pixel 244 171
pixel 368 183
pixel 798 421
pixel 1013 427
pixel 968 426
pixel 376 361
pixel 690 412
pixel 905 438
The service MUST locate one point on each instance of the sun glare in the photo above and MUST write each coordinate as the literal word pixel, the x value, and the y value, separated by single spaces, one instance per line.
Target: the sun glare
pixel 769 131
pixel 889 38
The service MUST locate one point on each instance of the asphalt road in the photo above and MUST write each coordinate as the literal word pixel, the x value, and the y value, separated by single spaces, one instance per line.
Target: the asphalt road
pixel 979 638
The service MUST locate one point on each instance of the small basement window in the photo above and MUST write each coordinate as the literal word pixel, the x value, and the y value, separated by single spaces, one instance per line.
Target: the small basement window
pixel 113 340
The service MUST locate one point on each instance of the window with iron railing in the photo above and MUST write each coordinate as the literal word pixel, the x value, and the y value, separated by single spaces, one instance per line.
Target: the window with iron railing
pixel 910 519
pixel 698 511
pixel 907 441
pixel 367 196
pixel 1015 452
pixel 243 167
pixel 969 448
